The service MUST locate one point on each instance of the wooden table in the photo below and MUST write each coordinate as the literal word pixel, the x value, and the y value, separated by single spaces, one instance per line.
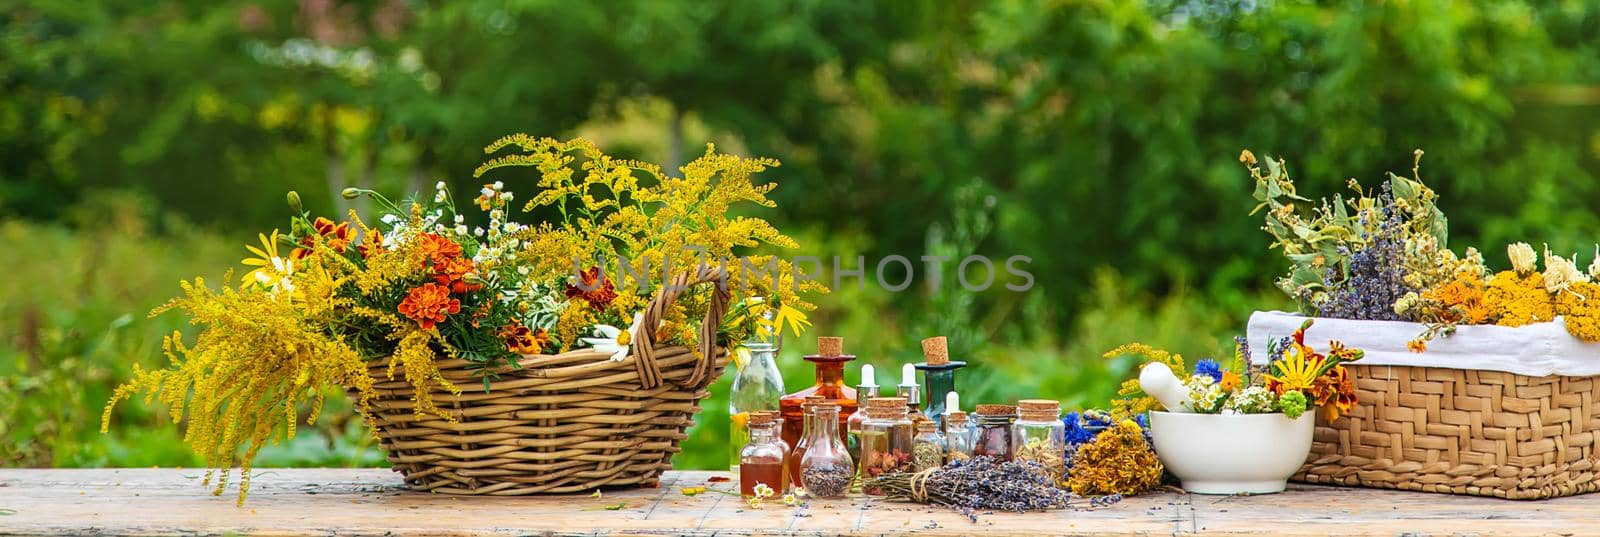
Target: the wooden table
pixel 373 502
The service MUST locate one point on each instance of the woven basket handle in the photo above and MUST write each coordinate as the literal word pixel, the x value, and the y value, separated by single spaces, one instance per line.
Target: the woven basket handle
pixel 644 343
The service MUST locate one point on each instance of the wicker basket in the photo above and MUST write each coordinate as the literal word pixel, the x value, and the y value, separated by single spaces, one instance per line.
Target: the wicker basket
pixel 1462 431
pixel 565 423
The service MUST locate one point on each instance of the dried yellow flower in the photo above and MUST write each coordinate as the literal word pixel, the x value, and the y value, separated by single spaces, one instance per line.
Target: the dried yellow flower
pixel 1560 273
pixel 1523 258
pixel 1118 461
pixel 1519 299
pixel 1580 309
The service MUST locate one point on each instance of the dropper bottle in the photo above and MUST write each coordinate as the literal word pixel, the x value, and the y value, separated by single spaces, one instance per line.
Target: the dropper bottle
pixel 866 389
pixel 939 372
pixel 912 392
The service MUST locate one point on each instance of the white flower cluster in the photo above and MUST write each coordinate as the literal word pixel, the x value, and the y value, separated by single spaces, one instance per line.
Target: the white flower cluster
pixel 1252 400
pixel 1203 393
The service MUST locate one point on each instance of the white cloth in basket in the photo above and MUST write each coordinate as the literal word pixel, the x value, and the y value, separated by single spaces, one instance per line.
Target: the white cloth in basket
pixel 1535 350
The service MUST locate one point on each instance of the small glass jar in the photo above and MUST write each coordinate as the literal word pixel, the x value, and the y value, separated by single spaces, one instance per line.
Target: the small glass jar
pixel 826 468
pixel 867 389
pixel 1039 436
pixel 761 460
pixel 991 435
pixel 957 437
pixel 927 449
pixel 886 441
pixel 809 426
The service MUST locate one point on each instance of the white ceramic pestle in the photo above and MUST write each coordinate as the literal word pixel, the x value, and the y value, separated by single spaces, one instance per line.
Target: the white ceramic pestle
pixel 1158 381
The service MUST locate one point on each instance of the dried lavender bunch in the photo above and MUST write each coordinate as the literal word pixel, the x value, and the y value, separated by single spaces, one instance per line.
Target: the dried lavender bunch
pixel 1376 278
pixel 977 484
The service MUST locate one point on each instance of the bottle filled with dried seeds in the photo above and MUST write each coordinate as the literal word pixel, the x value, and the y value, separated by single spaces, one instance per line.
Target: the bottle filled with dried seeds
pixel 1039 436
pixel 991 433
pixel 826 468
pixel 927 449
pixel 808 428
pixel 957 437
pixel 761 460
pixel 886 440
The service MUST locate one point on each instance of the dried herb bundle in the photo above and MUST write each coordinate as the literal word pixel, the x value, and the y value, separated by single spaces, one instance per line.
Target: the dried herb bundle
pixel 980 483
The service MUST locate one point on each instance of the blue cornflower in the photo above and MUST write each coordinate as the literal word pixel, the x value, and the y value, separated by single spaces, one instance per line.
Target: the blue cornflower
pixel 1210 368
pixel 1076 433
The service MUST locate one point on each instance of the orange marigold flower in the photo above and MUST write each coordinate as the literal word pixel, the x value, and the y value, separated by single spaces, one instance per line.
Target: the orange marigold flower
pixel 1335 392
pixel 591 290
pixel 429 304
pixel 522 340
pixel 438 248
pixel 1417 345
pixel 453 272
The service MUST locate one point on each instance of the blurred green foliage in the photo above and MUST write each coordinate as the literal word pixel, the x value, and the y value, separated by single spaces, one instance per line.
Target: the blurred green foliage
pixel 145 142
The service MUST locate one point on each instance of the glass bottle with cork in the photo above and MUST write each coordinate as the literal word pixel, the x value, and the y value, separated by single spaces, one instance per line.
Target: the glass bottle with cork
pixel 866 389
pixel 757 385
pixel 938 376
pixel 808 426
pixel 1039 436
pixel 991 434
pixel 957 436
pixel 886 441
pixel 829 362
pixel 927 449
pixel 826 468
pixel 912 393
pixel 761 460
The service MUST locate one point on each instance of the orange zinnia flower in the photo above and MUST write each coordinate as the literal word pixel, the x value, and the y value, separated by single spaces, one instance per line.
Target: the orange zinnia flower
pixel 429 304
pixel 596 294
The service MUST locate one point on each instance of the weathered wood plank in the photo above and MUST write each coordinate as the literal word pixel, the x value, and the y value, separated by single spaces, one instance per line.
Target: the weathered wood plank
pixel 373 502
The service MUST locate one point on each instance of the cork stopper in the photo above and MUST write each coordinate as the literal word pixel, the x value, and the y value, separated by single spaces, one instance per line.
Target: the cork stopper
pixel 821 409
pixel 936 351
pixel 1039 409
pixel 814 399
pixel 927 426
pixel 830 346
pixel 996 410
pixel 762 418
pixel 955 417
pixel 886 407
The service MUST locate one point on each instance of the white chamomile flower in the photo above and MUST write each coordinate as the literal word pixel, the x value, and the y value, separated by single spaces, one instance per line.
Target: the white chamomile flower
pixel 614 340
pixel 439 185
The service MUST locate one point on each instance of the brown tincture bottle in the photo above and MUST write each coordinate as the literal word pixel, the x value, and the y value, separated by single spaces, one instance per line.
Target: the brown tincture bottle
pixel 809 408
pixel 829 362
pixel 761 461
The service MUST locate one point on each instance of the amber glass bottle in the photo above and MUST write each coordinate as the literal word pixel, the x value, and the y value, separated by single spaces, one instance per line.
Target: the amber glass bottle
pixel 761 460
pixel 829 362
